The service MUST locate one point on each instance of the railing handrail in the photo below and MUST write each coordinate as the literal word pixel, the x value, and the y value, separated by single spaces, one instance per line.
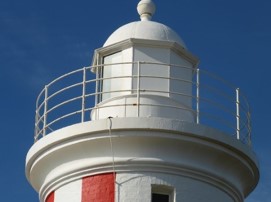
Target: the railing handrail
pixel 45 106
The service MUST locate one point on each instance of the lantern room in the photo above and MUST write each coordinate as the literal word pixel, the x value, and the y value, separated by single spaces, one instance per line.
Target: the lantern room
pixel 146 64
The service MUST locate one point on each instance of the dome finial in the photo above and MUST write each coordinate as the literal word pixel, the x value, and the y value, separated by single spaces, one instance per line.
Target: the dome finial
pixel 146 9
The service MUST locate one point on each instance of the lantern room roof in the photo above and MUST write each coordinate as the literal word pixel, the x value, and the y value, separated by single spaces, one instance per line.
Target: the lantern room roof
pixel 145 29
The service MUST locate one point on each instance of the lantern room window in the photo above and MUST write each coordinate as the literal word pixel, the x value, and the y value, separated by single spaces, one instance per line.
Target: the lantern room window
pixel 115 77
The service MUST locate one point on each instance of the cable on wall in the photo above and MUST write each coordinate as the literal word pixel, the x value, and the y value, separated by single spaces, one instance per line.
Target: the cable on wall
pixel 111 146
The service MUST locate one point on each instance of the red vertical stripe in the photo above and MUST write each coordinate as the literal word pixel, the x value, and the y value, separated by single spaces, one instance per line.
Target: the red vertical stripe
pixel 51 197
pixel 98 188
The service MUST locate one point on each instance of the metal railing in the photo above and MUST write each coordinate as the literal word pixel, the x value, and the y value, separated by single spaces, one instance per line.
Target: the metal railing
pixel 70 99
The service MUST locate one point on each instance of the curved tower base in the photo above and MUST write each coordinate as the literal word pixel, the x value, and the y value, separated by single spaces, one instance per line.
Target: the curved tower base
pixel 145 156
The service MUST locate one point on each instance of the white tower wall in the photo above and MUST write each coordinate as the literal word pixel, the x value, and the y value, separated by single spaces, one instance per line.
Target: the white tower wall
pixel 162 151
pixel 180 188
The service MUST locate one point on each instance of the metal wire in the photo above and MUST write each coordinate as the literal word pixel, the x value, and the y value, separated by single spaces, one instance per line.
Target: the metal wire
pixel 111 146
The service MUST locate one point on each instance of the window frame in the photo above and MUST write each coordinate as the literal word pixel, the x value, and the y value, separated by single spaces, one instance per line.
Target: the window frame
pixel 163 190
pixel 101 74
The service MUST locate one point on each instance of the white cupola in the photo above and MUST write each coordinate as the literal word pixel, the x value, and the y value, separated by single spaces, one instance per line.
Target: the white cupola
pixel 144 63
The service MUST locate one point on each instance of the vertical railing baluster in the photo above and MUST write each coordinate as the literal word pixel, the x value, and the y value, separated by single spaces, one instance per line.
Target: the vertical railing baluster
pixel 83 95
pixel 198 94
pixel 237 114
pixel 97 84
pixel 36 127
pixel 138 88
pixel 45 110
pixel 97 90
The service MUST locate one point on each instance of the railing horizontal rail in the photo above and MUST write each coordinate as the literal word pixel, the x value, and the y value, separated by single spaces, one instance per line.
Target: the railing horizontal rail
pixel 62 117
pixel 217 105
pixel 218 78
pixel 208 101
pixel 63 103
pixel 64 76
pixel 149 105
pixel 221 120
pixel 63 89
pixel 39 98
pixel 216 91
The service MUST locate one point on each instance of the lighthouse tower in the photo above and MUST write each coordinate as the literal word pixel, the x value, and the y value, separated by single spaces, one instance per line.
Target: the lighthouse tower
pixel 142 125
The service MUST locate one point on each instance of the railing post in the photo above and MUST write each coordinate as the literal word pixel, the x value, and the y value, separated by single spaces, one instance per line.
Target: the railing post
pixel 97 89
pixel 45 110
pixel 97 84
pixel 138 88
pixel 36 126
pixel 198 99
pixel 237 114
pixel 83 95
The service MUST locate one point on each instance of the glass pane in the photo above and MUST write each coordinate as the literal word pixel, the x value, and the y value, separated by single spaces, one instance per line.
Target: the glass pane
pixel 116 80
pixel 160 197
pixel 108 82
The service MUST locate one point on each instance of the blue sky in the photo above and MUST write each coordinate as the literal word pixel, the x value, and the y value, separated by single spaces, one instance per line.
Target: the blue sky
pixel 40 40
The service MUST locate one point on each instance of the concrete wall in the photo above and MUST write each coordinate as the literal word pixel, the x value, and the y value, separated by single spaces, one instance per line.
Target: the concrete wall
pixel 98 188
pixel 137 187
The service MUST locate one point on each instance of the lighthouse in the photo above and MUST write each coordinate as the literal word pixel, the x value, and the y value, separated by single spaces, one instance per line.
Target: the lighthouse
pixel 142 124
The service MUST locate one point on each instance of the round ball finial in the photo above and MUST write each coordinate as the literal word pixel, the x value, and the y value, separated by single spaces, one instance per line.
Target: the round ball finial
pixel 146 9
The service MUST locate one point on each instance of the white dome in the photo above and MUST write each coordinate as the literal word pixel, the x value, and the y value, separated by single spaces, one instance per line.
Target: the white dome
pixel 144 30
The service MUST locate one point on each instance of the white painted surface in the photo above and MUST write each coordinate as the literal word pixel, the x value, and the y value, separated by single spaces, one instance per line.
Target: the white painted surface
pixel 181 79
pixel 146 9
pixel 201 163
pixel 164 90
pixel 144 30
pixel 141 145
pixel 70 192
pixel 117 78
pixel 136 187
pixel 155 55
pixel 150 106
